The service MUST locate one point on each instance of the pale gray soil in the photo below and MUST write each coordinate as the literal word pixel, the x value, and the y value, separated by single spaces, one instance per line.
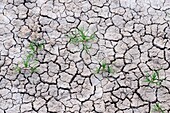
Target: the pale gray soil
pixel 132 36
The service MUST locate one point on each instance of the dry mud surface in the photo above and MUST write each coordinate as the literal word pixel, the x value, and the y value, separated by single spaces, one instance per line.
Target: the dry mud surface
pixel 132 36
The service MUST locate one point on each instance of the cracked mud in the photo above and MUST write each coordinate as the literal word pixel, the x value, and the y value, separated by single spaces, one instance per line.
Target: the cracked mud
pixel 131 36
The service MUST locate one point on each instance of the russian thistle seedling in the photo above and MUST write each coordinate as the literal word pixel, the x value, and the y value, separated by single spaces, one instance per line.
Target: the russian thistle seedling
pixel 153 78
pixel 26 63
pixel 18 69
pixel 33 69
pixel 29 62
pixel 80 36
pixel 33 46
pixel 157 108
pixel 104 67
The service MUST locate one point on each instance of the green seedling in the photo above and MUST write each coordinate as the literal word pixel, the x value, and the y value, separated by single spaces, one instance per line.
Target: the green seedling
pixel 33 69
pixel 153 78
pixel 109 69
pixel 86 47
pixel 81 36
pixel 104 68
pixel 26 63
pixel 40 46
pixel 30 57
pixel 18 69
pixel 32 47
pixel 27 60
pixel 157 108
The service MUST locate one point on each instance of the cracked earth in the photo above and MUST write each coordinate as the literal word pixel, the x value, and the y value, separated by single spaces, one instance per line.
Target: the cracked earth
pixel 132 36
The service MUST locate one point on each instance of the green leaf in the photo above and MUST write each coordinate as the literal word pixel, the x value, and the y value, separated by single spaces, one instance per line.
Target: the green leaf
pixel 74 40
pixel 158 108
pixel 158 83
pixel 18 69
pixel 33 69
pixel 86 48
pixel 82 34
pixel 40 46
pixel 109 69
pixel 154 76
pixel 26 63
pixel 32 47
pixel 147 78
pixel 92 37
pixel 98 70
pixel 103 65
pixel 29 56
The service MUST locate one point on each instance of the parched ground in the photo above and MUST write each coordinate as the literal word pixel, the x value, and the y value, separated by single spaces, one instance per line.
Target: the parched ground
pixel 131 36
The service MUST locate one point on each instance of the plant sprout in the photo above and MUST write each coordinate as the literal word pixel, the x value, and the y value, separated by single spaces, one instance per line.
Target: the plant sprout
pixel 153 78
pixel 32 47
pixel 157 108
pixel 33 69
pixel 81 36
pixel 18 69
pixel 26 63
pixel 104 68
pixel 30 57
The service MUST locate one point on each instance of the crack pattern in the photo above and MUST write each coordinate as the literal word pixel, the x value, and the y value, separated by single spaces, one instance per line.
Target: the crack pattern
pixel 131 35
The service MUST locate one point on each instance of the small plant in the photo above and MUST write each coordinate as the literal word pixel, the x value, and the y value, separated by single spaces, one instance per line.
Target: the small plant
pixel 30 61
pixel 33 46
pixel 81 36
pixel 33 69
pixel 104 67
pixel 157 108
pixel 26 63
pixel 18 69
pixel 153 78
